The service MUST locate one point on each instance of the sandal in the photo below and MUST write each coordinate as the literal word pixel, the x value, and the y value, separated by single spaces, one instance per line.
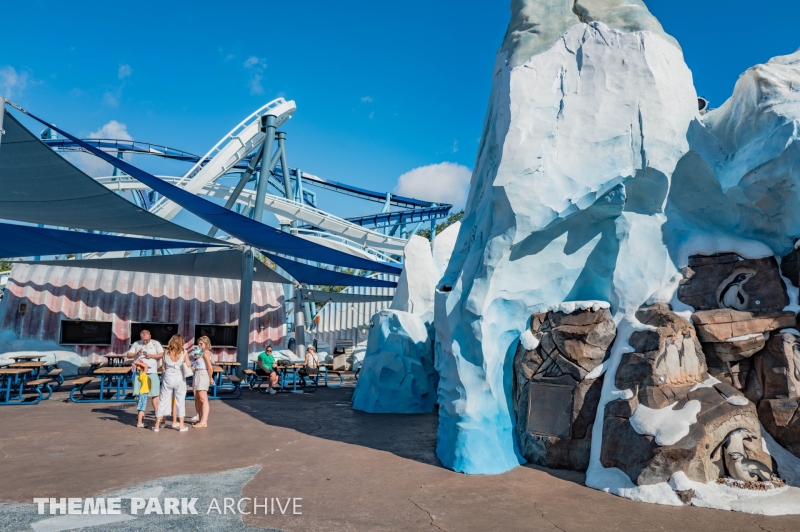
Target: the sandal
pixel 200 425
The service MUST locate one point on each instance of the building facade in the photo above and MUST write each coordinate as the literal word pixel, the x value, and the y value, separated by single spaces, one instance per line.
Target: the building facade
pixel 99 312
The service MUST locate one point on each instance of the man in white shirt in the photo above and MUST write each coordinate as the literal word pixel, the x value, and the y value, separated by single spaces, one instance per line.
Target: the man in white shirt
pixel 150 351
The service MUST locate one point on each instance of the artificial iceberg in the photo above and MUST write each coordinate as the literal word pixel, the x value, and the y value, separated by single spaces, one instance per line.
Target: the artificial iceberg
pixel 598 179
pixel 397 375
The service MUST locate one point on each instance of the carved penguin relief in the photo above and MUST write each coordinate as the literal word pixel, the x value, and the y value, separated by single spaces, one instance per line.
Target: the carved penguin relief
pixel 731 292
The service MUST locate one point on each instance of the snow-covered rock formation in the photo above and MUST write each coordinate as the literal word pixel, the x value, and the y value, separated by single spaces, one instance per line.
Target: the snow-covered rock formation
pixel 397 373
pixel 417 283
pixel 596 179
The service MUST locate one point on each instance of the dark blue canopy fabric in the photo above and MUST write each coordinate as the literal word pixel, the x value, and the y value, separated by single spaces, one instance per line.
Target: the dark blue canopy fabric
pixel 28 241
pixel 313 275
pixel 250 231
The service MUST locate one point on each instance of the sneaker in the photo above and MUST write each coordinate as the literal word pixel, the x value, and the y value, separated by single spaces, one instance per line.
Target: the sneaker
pixel 194 419
pixel 140 426
pixel 184 429
pixel 154 429
pixel 272 391
pixel 175 425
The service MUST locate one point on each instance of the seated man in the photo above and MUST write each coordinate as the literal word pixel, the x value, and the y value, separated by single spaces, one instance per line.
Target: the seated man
pixel 265 367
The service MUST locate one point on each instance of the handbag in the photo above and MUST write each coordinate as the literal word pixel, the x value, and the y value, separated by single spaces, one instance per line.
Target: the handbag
pixel 186 372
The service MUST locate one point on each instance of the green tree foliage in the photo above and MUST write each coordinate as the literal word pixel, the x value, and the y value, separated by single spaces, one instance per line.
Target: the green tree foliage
pixel 453 218
pixel 4 265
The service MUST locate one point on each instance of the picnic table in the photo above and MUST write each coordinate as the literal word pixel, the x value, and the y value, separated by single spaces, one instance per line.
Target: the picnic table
pixel 12 379
pixel 290 373
pixel 228 367
pixel 33 367
pixel 116 360
pixel 325 370
pixel 20 358
pixel 114 386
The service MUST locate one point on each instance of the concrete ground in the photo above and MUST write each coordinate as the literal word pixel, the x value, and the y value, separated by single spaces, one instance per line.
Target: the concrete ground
pixel 353 471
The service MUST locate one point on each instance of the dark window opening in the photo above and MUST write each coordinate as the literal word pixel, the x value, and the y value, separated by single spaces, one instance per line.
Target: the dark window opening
pixel 220 335
pixel 78 332
pixel 160 332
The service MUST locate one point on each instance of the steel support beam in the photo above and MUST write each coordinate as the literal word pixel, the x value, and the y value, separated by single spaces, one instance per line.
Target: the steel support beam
pixel 242 183
pixel 245 301
pixel 268 122
pixel 299 322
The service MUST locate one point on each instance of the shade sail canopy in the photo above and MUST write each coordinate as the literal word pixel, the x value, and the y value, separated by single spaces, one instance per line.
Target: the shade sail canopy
pixel 322 296
pixel 28 241
pixel 313 275
pixel 249 231
pixel 218 264
pixel 39 186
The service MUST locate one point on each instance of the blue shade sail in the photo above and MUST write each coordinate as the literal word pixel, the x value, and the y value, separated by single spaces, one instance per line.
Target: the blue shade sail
pixel 39 186
pixel 28 241
pixel 249 231
pixel 313 275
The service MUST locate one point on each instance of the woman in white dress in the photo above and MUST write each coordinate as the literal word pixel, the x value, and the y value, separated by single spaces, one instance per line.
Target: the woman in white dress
pixel 173 382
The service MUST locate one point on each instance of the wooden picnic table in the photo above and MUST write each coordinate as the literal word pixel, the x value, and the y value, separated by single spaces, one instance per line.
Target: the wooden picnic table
pixel 229 367
pixel 32 367
pixel 10 378
pixel 28 357
pixel 113 383
pixel 13 371
pixel 115 360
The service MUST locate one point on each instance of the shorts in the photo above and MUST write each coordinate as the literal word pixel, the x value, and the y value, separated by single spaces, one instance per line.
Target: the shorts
pixel 200 381
pixel 261 373
pixel 141 403
pixel 155 385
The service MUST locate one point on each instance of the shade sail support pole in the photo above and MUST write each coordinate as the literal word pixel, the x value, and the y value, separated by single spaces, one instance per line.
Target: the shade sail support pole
pixel 299 322
pixel 245 304
pixel 242 183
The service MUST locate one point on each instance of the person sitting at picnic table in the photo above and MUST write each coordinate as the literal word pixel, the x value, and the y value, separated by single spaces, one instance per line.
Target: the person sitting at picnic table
pixel 265 367
pixel 176 368
pixel 201 381
pixel 148 351
pixel 311 362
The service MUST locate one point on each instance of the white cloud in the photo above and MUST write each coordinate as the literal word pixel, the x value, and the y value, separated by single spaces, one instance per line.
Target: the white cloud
pixel 13 83
pixel 253 62
pixel 124 71
pixel 112 130
pixel 256 66
pixel 366 99
pixel 111 99
pixel 92 165
pixel 442 183
pixel 255 84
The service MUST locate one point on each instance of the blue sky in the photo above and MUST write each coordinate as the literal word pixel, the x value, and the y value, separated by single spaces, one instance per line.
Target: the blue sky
pixel 381 87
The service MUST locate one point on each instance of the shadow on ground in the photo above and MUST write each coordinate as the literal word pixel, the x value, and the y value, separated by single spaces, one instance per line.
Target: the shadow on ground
pixel 328 413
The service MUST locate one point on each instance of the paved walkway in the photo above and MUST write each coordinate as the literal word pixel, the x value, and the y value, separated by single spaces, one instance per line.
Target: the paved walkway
pixel 353 471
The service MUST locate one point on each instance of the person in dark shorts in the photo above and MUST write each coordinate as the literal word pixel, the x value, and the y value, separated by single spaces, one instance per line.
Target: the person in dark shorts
pixel 265 367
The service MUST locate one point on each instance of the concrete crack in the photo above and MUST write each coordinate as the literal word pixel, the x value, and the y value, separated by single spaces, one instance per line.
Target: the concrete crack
pixel 430 517
pixel 546 519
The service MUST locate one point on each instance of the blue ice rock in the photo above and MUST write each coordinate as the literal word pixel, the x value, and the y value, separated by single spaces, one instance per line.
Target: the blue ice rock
pixel 585 126
pixel 397 374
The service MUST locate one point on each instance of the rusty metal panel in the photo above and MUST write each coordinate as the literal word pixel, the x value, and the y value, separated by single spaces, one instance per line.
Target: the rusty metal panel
pixel 54 293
